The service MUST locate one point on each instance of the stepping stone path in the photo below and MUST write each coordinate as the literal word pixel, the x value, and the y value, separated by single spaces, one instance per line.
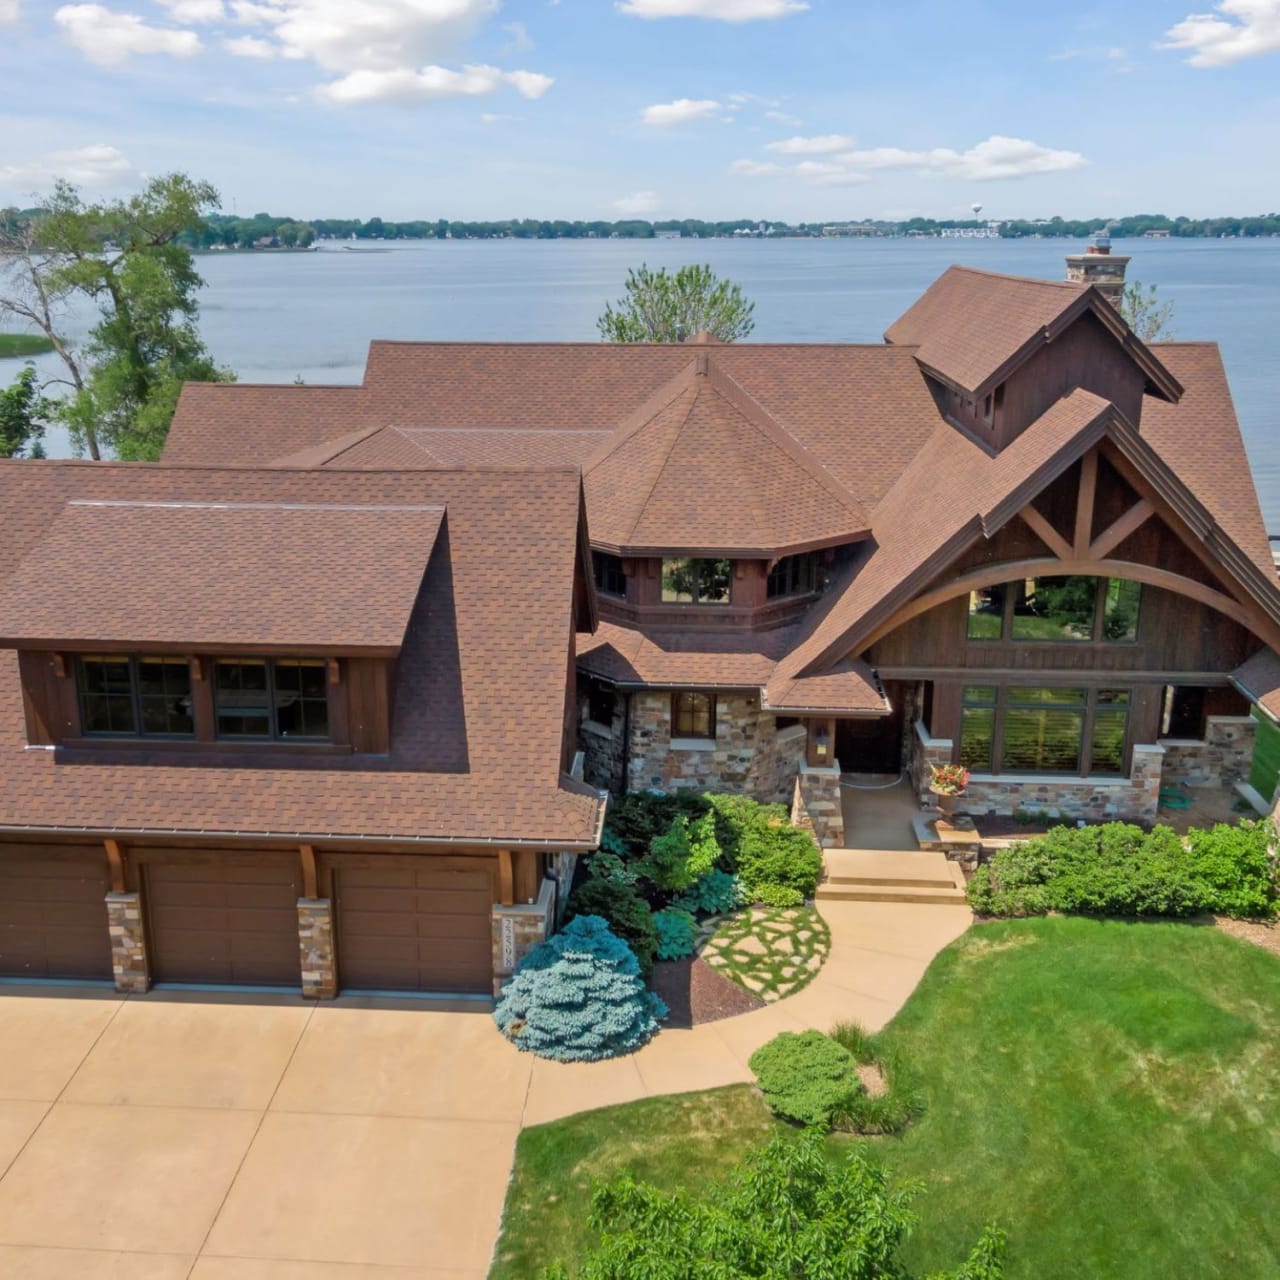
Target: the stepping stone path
pixel 769 951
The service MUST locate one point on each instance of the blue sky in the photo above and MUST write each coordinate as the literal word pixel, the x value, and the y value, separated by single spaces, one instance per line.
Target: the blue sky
pixel 658 108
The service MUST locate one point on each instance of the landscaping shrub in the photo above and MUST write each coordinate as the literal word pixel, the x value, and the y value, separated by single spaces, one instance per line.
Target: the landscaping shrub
pixel 788 1209
pixel 677 933
pixel 1117 869
pixel 889 1112
pixel 625 912
pixel 778 895
pixel 806 1076
pixel 579 997
pixel 681 854
pixel 714 894
pixel 610 868
pixel 637 818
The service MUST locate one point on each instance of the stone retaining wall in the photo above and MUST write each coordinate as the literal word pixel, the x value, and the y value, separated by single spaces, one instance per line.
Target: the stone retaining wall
pixel 517 929
pixel 816 805
pixel 1222 759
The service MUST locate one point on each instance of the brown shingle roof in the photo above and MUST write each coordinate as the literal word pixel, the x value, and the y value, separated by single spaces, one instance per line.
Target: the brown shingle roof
pixel 700 658
pixel 452 772
pixel 709 471
pixel 1259 678
pixel 850 687
pixel 311 576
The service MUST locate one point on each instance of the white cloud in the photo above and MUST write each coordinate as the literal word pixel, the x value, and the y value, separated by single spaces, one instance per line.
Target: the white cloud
pixel 93 166
pixel 1002 157
pixel 681 111
pixel 195 10
pixel 823 145
pixel 782 117
pixel 250 47
pixel 755 168
pixel 404 85
pixel 521 41
pixel 498 117
pixel 723 10
pixel 1240 29
pixel 8 12
pixel 829 173
pixel 638 202
pixel 741 99
pixel 110 38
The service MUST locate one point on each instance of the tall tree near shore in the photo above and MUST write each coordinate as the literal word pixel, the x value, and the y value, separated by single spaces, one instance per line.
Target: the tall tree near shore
pixel 23 414
pixel 124 256
pixel 1145 314
pixel 659 307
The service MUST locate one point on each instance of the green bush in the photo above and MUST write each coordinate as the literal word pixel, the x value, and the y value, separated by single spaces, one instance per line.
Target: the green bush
pixel 790 1209
pixel 778 895
pixel 681 854
pixel 625 912
pixel 578 997
pixel 1117 869
pixel 806 1076
pixel 611 868
pixel 637 818
pixel 891 1111
pixel 677 933
pixel 714 894
pixel 772 852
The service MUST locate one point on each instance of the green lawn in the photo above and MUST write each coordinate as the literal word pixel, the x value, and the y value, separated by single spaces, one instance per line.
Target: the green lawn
pixel 23 344
pixel 1108 1092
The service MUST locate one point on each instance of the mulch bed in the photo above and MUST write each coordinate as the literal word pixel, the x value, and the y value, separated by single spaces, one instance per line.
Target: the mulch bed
pixel 696 993
pixel 1262 933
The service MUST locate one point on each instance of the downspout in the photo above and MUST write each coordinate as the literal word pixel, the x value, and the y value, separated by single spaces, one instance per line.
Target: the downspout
pixel 626 744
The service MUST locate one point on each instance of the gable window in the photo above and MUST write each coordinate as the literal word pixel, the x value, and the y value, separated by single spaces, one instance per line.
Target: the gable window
pixel 610 578
pixel 694 581
pixel 1044 730
pixel 795 576
pixel 123 696
pixel 1062 610
pixel 271 698
pixel 693 715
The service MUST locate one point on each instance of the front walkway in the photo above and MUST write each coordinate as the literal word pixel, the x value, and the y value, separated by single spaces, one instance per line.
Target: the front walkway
pixel 197 1136
pixel 877 812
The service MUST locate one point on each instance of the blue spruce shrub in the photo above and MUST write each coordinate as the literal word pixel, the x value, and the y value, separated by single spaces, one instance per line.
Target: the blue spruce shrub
pixel 677 933
pixel 578 997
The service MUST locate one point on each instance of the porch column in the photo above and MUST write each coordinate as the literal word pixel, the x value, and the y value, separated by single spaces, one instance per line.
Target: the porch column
pixel 517 929
pixel 318 961
pixel 129 963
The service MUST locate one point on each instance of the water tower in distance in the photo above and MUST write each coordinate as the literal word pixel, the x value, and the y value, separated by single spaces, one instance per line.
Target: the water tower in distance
pixel 977 209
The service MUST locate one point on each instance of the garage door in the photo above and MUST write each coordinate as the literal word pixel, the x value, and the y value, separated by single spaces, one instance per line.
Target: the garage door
pixel 231 921
pixel 53 918
pixel 414 929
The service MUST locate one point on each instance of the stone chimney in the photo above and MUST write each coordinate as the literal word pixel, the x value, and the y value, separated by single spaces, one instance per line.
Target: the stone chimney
pixel 1098 266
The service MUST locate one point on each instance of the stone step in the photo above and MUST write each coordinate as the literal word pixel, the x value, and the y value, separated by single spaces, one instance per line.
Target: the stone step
pixel 890 893
pixel 897 882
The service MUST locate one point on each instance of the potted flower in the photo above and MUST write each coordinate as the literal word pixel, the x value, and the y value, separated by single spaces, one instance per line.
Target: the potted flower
pixel 948 782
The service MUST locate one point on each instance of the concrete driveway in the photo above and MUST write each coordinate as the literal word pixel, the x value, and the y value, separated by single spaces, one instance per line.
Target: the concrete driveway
pixel 201 1136
pixel 197 1136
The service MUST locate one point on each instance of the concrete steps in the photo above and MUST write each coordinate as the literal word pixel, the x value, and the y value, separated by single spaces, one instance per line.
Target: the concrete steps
pixel 877 875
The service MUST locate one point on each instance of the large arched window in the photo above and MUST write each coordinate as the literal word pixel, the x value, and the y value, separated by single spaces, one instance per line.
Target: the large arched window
pixel 1074 609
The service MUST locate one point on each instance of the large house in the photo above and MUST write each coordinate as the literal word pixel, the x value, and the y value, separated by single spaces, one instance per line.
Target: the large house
pixel 316 671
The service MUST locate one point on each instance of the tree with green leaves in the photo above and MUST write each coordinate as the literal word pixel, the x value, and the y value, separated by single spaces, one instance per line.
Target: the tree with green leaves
pixel 657 306
pixel 1145 314
pixel 126 258
pixel 23 415
pixel 787 1213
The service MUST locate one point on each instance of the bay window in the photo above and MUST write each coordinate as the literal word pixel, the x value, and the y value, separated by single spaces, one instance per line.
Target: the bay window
pixel 687 580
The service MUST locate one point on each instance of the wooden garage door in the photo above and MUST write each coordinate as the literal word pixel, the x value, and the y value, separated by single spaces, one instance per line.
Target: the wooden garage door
pixel 53 917
pixel 232 919
pixel 414 929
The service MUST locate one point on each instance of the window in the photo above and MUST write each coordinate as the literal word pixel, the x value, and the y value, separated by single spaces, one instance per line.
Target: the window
pixel 689 581
pixel 1043 730
pixel 693 715
pixel 609 575
pixel 121 696
pixel 795 576
pixel 1061 610
pixel 277 698
pixel 601 699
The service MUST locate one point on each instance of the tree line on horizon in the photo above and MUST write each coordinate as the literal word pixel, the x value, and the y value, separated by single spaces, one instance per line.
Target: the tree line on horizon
pixel 271 231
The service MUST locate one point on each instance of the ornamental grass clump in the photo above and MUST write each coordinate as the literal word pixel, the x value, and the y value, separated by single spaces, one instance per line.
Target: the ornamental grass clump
pixel 806 1077
pixel 579 997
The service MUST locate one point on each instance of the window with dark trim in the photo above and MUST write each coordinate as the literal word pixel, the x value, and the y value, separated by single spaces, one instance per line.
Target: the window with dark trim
pixel 610 578
pixel 692 581
pixel 1025 729
pixel 275 698
pixel 124 696
pixel 1061 610
pixel 795 576
pixel 601 701
pixel 693 715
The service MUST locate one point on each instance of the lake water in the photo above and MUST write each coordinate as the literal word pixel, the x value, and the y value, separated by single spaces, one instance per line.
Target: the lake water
pixel 274 317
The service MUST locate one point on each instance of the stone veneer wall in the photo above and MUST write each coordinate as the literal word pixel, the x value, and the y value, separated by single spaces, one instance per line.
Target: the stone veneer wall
pixel 816 806
pixel 748 755
pixel 316 955
pixel 602 747
pixel 1222 759
pixel 1132 799
pixel 518 929
pixel 129 961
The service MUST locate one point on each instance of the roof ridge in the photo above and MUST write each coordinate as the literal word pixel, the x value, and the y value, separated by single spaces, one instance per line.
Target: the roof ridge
pixel 634 422
pixel 1071 285
pixel 666 460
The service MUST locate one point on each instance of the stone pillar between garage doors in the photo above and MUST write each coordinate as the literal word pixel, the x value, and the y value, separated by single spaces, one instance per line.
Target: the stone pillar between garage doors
pixel 518 929
pixel 317 959
pixel 129 963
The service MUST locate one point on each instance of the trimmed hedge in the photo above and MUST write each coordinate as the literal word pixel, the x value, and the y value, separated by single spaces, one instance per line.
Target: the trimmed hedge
pixel 806 1077
pixel 1120 870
